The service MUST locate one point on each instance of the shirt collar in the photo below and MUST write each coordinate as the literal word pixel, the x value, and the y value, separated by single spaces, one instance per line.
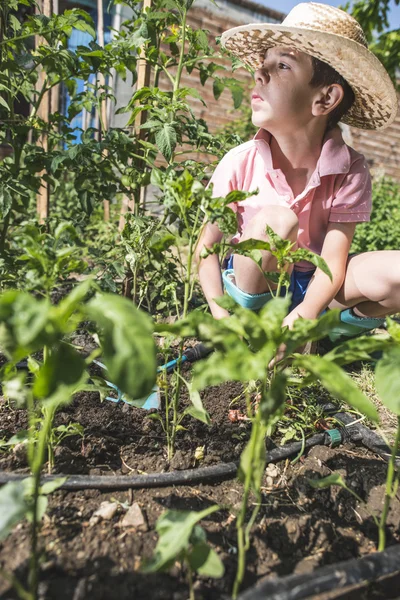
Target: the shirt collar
pixel 334 158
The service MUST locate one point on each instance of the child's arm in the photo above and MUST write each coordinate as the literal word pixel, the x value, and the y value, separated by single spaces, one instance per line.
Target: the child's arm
pixel 209 269
pixel 321 290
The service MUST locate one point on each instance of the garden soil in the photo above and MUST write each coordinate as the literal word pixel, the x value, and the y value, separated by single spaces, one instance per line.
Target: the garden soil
pixel 298 528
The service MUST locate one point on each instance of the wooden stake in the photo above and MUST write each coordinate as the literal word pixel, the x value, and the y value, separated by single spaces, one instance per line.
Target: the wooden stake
pixel 101 80
pixel 43 112
pixel 143 80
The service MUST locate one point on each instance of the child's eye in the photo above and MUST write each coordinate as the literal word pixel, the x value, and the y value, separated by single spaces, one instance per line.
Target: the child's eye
pixel 283 66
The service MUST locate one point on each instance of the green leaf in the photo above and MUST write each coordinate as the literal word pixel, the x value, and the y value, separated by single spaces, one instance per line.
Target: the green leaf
pixel 218 88
pixel 13 506
pixel 21 437
pixel 42 504
pixel 393 328
pixel 72 302
pixel 4 103
pixel 310 330
pixel 315 259
pixel 64 367
pixel 274 397
pixel 202 39
pixel 23 321
pixel 325 482
pixel 174 528
pixel 85 27
pixel 338 383
pixel 359 348
pixel 51 486
pixel 5 200
pixel 129 350
pixel 387 379
pixel 165 138
pixel 237 95
pixel 205 561
pixel 197 409
pixel 253 457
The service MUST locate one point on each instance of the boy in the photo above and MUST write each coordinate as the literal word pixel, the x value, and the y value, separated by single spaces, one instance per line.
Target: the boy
pixel 310 72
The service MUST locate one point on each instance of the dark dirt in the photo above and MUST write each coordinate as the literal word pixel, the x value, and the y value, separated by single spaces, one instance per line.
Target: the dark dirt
pixel 298 528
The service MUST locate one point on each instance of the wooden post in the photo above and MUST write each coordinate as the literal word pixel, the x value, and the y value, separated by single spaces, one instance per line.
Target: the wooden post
pixel 128 204
pixel 101 83
pixel 143 80
pixel 43 196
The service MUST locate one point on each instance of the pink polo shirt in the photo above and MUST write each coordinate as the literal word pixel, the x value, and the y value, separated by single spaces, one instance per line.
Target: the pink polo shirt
pixel 338 191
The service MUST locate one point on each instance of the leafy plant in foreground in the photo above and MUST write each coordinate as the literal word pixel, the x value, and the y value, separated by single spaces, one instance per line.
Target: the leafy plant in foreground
pixel 27 326
pixel 246 343
pixel 182 539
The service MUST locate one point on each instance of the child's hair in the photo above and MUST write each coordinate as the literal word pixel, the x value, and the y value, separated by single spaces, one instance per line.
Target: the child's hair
pixel 323 75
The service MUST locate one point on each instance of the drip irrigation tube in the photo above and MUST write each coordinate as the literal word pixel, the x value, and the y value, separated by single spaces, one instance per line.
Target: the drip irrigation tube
pixel 184 477
pixel 369 438
pixel 355 432
pixel 327 579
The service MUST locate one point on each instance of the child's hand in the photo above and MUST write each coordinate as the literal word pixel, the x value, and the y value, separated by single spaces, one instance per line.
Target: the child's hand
pixel 218 312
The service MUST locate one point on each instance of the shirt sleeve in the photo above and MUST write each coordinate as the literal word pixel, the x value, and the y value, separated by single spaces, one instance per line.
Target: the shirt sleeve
pixel 224 179
pixel 353 200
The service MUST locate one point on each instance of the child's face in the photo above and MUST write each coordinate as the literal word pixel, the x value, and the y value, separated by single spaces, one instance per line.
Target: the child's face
pixel 282 98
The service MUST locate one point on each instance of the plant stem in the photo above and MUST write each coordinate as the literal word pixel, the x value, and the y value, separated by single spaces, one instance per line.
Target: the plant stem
pixel 390 480
pixel 181 56
pixel 36 470
pixel 242 535
pixel 36 463
pixel 21 591
pixel 190 581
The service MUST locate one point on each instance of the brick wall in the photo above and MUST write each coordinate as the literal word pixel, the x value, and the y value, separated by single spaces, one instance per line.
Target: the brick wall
pixel 381 148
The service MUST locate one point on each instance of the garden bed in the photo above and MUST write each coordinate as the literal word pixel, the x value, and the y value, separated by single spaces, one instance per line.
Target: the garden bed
pixel 298 528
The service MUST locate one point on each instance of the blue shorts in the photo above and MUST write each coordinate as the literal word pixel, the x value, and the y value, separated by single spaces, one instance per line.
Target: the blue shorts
pixel 299 281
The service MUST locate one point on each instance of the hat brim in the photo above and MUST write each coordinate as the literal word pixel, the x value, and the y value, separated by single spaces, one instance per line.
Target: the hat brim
pixel 375 105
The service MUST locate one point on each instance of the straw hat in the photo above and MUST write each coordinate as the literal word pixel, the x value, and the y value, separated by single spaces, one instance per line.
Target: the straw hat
pixel 336 38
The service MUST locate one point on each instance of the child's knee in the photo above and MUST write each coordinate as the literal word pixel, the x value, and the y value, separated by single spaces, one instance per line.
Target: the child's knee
pixel 282 220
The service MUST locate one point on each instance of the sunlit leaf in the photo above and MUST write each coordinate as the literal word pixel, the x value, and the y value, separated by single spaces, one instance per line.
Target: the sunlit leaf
pixel 387 379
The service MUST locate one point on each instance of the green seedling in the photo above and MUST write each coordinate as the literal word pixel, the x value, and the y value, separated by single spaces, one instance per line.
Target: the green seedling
pixel 28 325
pixel 56 436
pixel 182 540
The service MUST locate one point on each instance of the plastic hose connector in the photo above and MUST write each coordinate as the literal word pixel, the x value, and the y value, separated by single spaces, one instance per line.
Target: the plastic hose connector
pixel 334 437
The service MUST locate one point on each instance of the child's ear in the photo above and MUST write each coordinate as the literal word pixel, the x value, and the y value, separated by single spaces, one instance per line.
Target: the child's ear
pixel 327 98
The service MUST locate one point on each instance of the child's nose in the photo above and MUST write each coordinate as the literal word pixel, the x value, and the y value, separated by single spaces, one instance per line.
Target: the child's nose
pixel 261 76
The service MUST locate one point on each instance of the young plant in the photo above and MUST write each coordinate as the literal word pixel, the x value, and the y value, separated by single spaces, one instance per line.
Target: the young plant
pixel 182 539
pixel 148 246
pixel 56 436
pixel 186 201
pixel 245 344
pixel 43 261
pixel 27 326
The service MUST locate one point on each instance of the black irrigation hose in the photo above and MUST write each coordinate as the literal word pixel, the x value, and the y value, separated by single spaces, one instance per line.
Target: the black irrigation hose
pixel 356 432
pixel 185 477
pixel 326 579
pixel 369 438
